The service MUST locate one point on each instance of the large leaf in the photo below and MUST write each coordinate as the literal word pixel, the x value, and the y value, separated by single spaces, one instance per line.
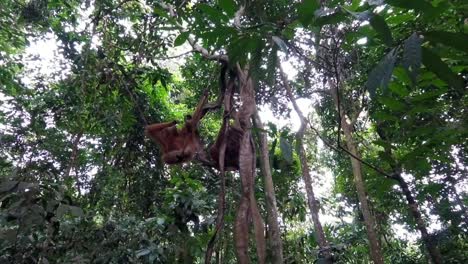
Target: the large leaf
pixel 181 39
pixel 378 23
pixel 435 64
pixel 212 14
pixel 381 74
pixel 422 6
pixel 412 55
pixel 332 19
pixel 455 40
pixel 229 6
pixel 392 103
pixel 306 11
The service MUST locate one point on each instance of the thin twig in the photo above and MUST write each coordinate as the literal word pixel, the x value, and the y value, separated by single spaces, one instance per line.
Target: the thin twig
pixel 339 147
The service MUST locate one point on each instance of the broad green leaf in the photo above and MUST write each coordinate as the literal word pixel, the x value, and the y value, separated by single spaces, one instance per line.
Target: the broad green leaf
pixel 229 6
pixel 412 56
pixel 400 18
pixel 381 115
pixel 213 15
pixel 435 64
pixel 418 5
pixel 160 12
pixel 181 39
pixel 241 47
pixel 281 44
pixel 398 89
pixel 402 75
pixel 383 144
pixel 331 19
pixel 381 74
pixel 286 150
pixel 392 103
pixel 306 11
pixel 455 40
pixel 379 24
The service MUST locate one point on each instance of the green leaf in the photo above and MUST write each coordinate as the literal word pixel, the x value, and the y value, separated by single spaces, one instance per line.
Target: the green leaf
pixel 435 64
pixel 306 11
pixel 381 74
pixel 281 44
pixel 412 56
pixel 286 150
pixel 419 5
pixel 455 40
pixel 181 39
pixel 331 19
pixel 229 6
pixel 240 47
pixel 393 104
pixel 213 15
pixel 398 88
pixel 379 25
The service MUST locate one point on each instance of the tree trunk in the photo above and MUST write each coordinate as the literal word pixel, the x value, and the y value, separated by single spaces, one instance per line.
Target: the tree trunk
pixel 434 252
pixel 247 167
pixel 369 221
pixel 432 249
pixel 311 201
pixel 274 237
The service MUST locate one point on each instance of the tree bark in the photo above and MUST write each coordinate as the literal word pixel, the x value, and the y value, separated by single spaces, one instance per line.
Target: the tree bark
pixel 432 249
pixel 311 200
pixel 369 221
pixel 247 167
pixel 434 252
pixel 274 237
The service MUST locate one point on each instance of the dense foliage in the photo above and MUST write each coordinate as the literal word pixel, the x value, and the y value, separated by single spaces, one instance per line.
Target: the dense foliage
pixel 381 82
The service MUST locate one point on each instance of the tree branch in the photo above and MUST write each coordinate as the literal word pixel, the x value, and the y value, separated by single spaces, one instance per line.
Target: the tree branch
pixel 340 148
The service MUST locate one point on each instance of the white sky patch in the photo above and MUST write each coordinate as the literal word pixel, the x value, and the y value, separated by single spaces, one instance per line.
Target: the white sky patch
pixel 362 41
pixel 43 58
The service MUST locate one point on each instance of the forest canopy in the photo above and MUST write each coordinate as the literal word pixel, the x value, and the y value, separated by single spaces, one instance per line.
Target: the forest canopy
pixel 293 131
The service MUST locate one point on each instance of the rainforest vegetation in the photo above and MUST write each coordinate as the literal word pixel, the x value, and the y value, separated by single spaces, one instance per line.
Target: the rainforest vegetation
pixel 233 131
